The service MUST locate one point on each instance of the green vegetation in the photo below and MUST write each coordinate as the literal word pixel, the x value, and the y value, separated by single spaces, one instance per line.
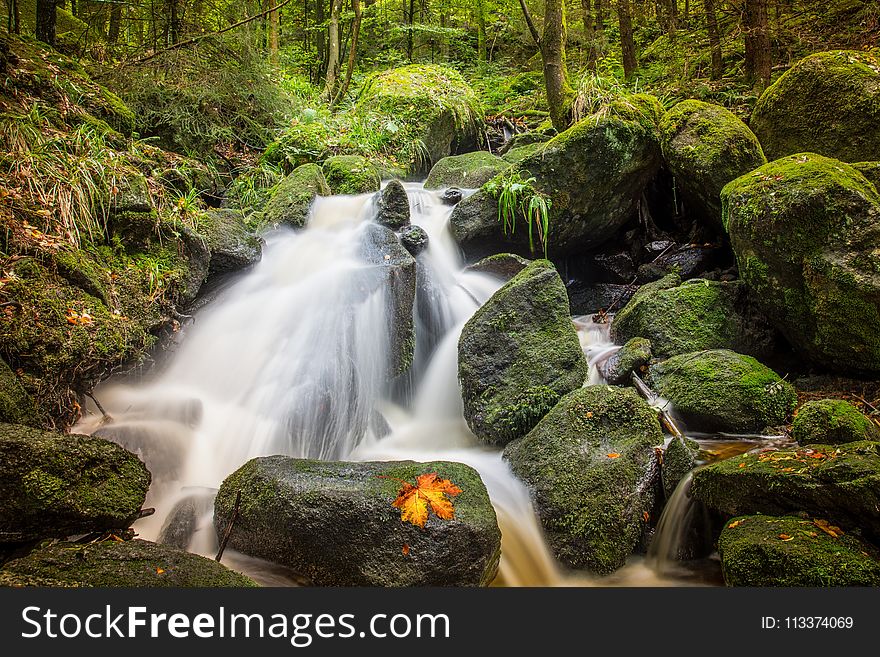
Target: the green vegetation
pixel 831 421
pixel 517 197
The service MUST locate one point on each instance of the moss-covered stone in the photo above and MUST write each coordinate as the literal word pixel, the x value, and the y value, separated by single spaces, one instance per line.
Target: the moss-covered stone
pixel 125 564
pixel 830 422
pixel 680 318
pixel 518 355
pixel 333 523
pixel 806 233
pixel 594 173
pixel 705 147
pixel 16 406
pixel 591 467
pixel 518 154
pixel 633 357
pixel 231 243
pixel 470 170
pixel 351 174
pixel 59 485
pixel 827 103
pixel 292 199
pixel 720 390
pixel 840 483
pixel 794 551
pixel 440 108
pixel 392 206
pixel 414 239
pixel 679 458
pixel 503 265
pixel 871 171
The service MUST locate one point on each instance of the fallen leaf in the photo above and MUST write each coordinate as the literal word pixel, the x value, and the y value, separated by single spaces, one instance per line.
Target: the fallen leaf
pixel 430 490
pixel 742 465
pixel 734 524
pixel 589 413
pixel 646 516
pixel 828 528
pixel 405 549
pixel 159 571
pixel 786 537
pixel 613 455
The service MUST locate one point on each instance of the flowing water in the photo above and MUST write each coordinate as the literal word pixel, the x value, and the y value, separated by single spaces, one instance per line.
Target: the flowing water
pixel 290 358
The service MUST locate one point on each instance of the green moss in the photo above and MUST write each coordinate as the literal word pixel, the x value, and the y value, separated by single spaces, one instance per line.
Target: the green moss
pixel 518 154
pixel 831 421
pixel 586 463
pixel 351 174
pixel 794 551
pixel 292 198
pixel 871 171
pixel 128 564
pixel 720 390
pixel 827 103
pixel 804 232
pixel 470 170
pixel 16 406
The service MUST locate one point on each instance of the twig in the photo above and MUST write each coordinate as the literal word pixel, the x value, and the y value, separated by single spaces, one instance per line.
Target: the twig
pixel 107 416
pixel 228 532
pixel 665 418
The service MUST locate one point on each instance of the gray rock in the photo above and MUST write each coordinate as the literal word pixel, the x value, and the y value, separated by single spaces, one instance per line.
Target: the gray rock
pixel 392 206
pixel 232 245
pixel 414 239
pixel 618 368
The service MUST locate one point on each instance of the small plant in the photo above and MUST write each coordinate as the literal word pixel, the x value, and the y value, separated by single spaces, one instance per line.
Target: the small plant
pixel 517 195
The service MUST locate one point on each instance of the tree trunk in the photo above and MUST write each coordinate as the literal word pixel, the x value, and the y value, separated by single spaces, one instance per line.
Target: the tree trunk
pixel 600 15
pixel 320 43
pixel 113 28
pixel 333 50
pixel 559 93
pixel 757 38
pixel 627 45
pixel 409 35
pixel 45 21
pixel 480 9
pixel 352 52
pixel 175 23
pixel 714 39
pixel 14 25
pixel 274 24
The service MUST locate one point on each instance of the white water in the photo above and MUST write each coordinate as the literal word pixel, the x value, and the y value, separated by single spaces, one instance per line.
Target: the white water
pixel 290 359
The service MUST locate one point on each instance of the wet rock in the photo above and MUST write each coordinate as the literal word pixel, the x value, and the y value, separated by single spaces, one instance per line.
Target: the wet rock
pixel 333 523
pixel 615 267
pixel 232 245
pixel 183 520
pixel 591 467
pixel 503 265
pixel 679 458
pixel 351 174
pixel 806 233
pixel 839 483
pixel 451 196
pixel 831 422
pixel 689 261
pixel 126 564
pixel 54 485
pixel 469 171
pixel 590 298
pixel 392 206
pixel 518 355
pixel 632 357
pixel 720 390
pixel 292 199
pixel 753 553
pixel 414 239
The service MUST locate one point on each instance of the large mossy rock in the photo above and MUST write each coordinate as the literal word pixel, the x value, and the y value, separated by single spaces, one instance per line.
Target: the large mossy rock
pixel 631 358
pixel 432 101
pixel 16 406
pixel 806 233
pixel 518 355
pixel 839 483
pixel 794 551
pixel 54 485
pixel 591 467
pixel 292 199
pixel 594 173
pixel 830 422
pixel 232 245
pixel 125 564
pixel 351 174
pixel 706 146
pixel 470 170
pixel 501 265
pixel 871 171
pixel 720 390
pixel 827 103
pixel 680 318
pixel 395 272
pixel 334 523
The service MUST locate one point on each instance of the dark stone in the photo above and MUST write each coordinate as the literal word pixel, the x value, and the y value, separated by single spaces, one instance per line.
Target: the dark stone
pixel 503 265
pixel 232 245
pixel 632 357
pixel 183 520
pixel 451 196
pixel 615 267
pixel 414 239
pixel 589 298
pixel 392 206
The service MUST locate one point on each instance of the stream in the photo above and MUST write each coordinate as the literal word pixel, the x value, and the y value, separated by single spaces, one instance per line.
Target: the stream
pixel 291 358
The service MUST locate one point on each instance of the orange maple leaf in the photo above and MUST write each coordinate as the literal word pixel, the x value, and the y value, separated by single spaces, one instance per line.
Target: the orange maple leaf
pixel 430 490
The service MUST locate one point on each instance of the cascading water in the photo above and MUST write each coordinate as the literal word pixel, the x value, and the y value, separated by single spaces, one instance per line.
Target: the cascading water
pixel 292 358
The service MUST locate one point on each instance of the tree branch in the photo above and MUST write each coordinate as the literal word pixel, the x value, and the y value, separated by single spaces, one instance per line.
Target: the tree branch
pixel 532 29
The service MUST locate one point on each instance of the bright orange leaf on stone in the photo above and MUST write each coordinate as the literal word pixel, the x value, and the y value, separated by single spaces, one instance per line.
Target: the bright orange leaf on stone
pixel 430 490
pixel 405 549
pixel 613 455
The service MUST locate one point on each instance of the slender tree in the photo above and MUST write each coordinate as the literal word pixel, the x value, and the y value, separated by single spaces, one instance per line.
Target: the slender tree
pixel 714 39
pixel 14 24
pixel 333 50
pixel 627 45
pixel 273 28
pixel 757 41
pixel 45 21
pixel 352 51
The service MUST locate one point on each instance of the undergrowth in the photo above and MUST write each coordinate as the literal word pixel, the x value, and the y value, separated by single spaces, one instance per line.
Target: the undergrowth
pixel 518 198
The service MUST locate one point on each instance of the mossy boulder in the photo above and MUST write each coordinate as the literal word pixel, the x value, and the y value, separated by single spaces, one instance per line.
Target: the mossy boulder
pixel 231 243
pixel 292 199
pixel 594 174
pixel 830 422
pixel 633 357
pixel 720 390
pixel 806 233
pixel 794 551
pixel 679 458
pixel 333 523
pixel 469 171
pixel 840 483
pixel 16 406
pixel 351 174
pixel 395 273
pixel 696 315
pixel 432 102
pixel 706 146
pixel 591 468
pixel 518 355
pixel 502 265
pixel 125 564
pixel 392 206
pixel 871 171
pixel 827 103
pixel 518 154
pixel 54 485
